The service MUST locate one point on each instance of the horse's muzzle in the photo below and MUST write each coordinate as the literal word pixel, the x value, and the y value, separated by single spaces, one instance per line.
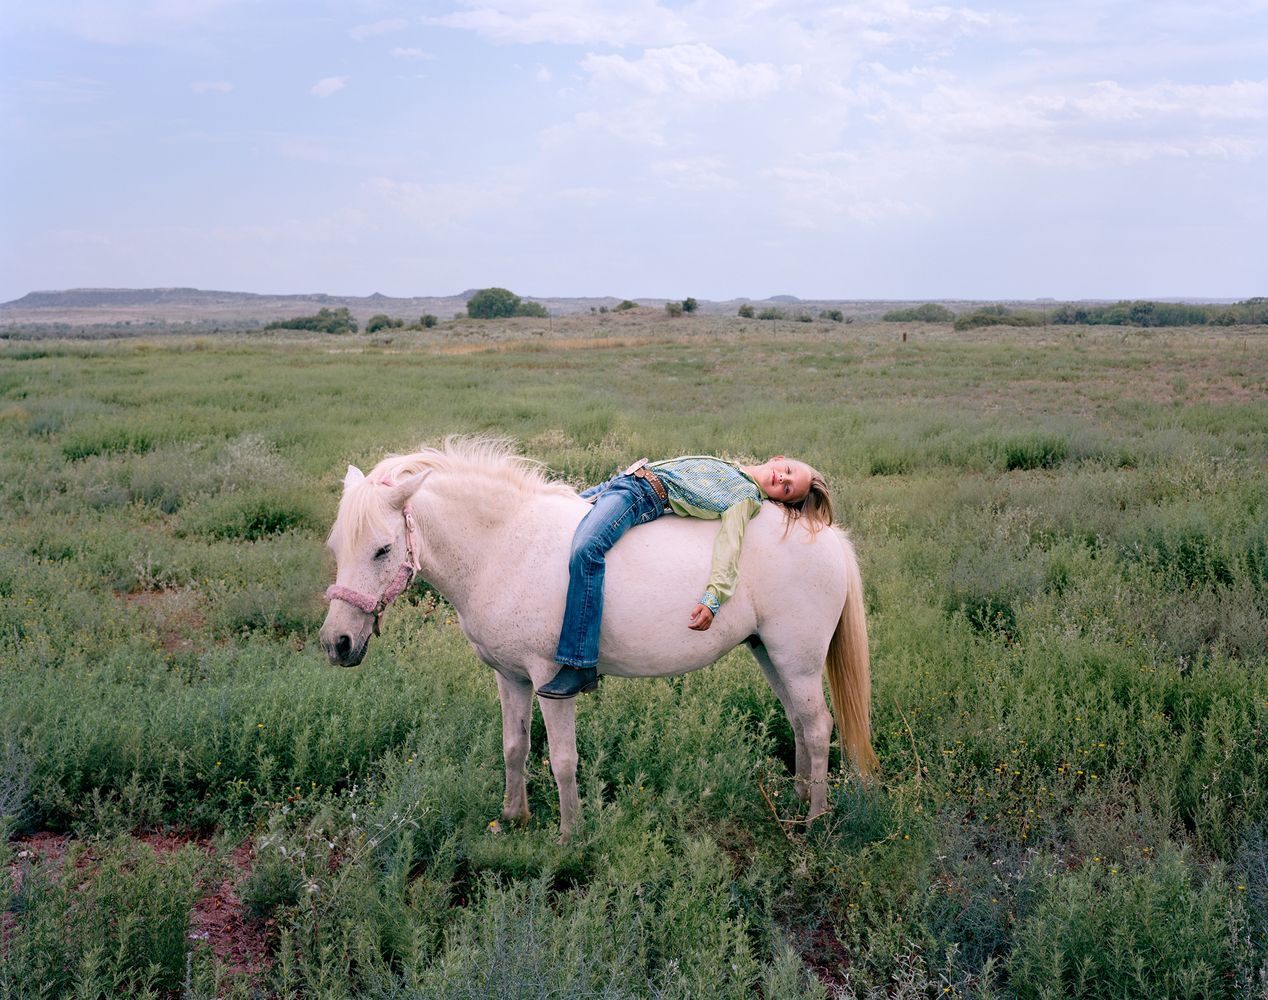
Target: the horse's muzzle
pixel 343 653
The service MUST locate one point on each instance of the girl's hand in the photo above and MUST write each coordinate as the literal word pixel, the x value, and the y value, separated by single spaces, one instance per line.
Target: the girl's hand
pixel 701 618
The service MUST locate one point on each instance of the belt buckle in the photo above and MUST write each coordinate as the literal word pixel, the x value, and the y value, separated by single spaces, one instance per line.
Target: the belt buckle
pixel 635 467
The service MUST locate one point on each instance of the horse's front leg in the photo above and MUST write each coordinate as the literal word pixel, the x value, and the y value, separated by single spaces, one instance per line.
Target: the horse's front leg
pixel 561 736
pixel 517 710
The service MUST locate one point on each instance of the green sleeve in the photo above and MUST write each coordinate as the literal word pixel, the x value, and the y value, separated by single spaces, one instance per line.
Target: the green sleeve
pixel 726 553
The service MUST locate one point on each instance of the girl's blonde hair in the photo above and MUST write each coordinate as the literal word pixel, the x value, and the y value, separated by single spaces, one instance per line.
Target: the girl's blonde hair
pixel 815 506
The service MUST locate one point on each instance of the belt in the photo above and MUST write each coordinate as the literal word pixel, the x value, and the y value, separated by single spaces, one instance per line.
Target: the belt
pixel 654 481
pixel 639 470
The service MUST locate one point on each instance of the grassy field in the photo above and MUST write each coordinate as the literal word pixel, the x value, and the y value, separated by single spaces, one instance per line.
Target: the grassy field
pixel 1064 542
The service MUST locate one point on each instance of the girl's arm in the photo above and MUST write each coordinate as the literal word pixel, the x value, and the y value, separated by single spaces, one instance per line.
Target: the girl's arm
pixel 725 570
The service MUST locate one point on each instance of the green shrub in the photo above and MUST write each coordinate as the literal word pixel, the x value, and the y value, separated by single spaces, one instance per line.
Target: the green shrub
pixel 989 586
pixel 252 513
pixel 929 312
pixel 889 460
pixel 746 311
pixel 690 305
pixel 382 321
pixel 325 320
pixel 673 308
pixel 492 303
pixel 1250 876
pixel 1034 451
pixel 996 316
pixel 428 321
pixel 533 309
pixel 624 305
pixel 115 440
pixel 112 922
pixel 1159 930
pixel 16 769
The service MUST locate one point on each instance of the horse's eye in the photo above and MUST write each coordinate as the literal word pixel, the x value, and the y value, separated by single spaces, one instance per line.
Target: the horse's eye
pixel 382 552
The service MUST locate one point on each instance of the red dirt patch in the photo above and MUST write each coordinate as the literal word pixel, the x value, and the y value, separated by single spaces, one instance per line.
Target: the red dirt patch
pixel 218 918
pixel 239 943
pixel 178 616
pixel 827 958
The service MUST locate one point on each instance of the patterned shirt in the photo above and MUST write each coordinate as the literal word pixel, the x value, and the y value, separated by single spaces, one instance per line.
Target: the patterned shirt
pixel 707 487
pixel 704 484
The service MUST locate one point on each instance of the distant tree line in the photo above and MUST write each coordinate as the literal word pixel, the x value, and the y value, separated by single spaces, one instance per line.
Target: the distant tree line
pixel 323 321
pixel 1144 312
pixel 340 321
pixel 746 311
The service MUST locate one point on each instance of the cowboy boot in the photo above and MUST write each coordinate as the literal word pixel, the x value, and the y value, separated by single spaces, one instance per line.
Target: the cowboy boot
pixel 570 682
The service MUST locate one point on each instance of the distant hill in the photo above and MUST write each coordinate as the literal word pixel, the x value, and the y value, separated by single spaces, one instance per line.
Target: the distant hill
pixel 82 307
pixel 78 306
pixel 202 308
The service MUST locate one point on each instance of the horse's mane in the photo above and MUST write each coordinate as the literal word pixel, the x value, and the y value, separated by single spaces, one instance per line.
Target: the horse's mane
pixel 489 467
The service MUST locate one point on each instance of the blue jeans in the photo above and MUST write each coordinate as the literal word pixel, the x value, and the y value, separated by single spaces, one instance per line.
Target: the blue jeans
pixel 619 505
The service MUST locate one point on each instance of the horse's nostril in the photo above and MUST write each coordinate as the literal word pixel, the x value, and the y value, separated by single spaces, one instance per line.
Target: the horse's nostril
pixel 343 646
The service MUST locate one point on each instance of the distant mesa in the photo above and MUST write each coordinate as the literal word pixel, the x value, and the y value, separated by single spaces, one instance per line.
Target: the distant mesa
pixel 89 297
pixel 783 298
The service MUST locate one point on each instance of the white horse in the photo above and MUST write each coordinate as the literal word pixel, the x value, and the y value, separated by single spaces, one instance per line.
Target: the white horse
pixel 492 534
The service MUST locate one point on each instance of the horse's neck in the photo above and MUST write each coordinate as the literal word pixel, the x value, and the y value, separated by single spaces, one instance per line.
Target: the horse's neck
pixel 461 538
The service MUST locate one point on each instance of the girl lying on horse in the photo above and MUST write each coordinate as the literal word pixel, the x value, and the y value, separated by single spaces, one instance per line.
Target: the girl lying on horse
pixel 691 486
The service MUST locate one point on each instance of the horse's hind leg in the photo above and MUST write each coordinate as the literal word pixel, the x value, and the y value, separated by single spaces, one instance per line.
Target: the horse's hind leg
pixel 795 673
pixel 794 719
pixel 517 711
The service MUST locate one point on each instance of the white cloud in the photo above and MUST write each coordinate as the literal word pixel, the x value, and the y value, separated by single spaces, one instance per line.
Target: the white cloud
pixel 543 75
pixel 323 229
pixel 697 71
pixel 820 192
pixel 1098 122
pixel 67 90
pixel 123 22
pixel 211 86
pixel 361 32
pixel 406 53
pixel 635 124
pixel 590 197
pixel 570 22
pixel 1108 100
pixel 328 85
pixel 444 203
pixel 697 173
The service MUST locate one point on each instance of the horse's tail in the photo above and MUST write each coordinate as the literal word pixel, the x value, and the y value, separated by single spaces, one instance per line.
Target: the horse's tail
pixel 849 672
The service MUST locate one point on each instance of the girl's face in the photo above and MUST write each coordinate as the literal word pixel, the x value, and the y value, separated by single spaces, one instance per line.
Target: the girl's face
pixel 784 479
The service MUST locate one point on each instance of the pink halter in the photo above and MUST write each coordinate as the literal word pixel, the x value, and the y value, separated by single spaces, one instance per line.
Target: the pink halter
pixel 404 576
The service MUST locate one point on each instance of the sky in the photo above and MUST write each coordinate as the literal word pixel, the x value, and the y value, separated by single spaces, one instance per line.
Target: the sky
pixel 880 149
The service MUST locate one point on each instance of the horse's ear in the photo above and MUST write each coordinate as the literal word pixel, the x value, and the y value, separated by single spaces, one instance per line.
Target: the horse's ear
pixel 352 477
pixel 401 494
